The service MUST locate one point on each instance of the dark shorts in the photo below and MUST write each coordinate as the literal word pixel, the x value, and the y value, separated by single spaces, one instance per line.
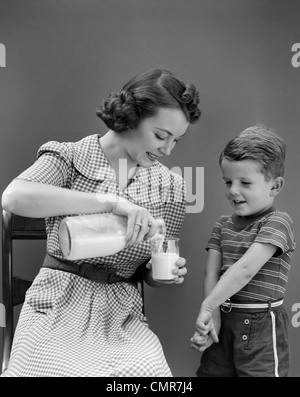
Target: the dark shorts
pixel 250 345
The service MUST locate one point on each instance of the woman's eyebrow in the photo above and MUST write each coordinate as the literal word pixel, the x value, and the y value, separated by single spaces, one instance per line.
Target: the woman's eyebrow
pixel 168 132
pixel 162 129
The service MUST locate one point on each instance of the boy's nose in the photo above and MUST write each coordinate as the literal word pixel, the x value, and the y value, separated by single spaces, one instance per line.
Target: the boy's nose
pixel 233 190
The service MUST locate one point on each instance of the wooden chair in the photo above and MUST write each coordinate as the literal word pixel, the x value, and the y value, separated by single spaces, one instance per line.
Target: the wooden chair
pixel 15 227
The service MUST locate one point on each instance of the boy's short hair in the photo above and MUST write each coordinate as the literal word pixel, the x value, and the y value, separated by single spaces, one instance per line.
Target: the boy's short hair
pixel 261 144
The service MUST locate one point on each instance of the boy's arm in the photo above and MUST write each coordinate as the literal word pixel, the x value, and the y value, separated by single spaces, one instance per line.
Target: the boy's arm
pixel 238 275
pixel 211 277
pixel 212 270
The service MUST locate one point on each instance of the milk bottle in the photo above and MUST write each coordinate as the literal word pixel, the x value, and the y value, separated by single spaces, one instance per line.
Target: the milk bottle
pixel 94 235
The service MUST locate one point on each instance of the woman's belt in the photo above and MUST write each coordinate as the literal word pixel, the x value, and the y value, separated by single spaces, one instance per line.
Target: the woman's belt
pixel 86 270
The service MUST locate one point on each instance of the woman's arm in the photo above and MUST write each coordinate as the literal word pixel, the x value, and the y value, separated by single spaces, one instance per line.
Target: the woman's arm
pixel 39 200
pixel 146 273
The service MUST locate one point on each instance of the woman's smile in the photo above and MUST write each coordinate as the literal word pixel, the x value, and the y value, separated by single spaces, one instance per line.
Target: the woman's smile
pixel 152 156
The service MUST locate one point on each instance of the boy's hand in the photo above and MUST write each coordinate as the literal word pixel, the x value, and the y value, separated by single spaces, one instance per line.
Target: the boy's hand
pixel 201 343
pixel 204 321
pixel 205 334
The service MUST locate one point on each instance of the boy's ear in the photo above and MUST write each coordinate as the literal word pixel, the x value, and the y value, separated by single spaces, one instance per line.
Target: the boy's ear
pixel 277 186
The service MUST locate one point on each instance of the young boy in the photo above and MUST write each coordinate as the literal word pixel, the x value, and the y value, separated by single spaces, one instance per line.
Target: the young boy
pixel 242 326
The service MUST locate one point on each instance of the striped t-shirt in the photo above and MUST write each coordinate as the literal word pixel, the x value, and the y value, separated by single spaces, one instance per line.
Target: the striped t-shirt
pixel 233 235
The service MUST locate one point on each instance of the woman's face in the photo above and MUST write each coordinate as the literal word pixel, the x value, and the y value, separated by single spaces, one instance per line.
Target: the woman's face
pixel 155 136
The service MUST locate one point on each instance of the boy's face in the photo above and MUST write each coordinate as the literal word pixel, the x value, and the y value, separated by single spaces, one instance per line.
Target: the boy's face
pixel 246 188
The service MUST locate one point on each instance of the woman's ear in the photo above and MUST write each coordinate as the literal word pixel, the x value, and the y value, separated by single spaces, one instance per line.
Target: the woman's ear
pixel 278 184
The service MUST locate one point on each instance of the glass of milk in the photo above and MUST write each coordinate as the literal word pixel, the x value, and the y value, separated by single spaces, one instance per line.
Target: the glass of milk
pixel 164 255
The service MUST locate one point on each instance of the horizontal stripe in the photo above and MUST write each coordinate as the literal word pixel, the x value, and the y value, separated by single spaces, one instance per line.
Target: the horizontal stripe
pixel 274 228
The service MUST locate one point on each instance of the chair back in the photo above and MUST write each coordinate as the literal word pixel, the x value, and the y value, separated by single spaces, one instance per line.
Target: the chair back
pixel 15 227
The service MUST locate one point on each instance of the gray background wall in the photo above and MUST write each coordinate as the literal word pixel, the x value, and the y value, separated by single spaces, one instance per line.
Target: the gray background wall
pixel 64 56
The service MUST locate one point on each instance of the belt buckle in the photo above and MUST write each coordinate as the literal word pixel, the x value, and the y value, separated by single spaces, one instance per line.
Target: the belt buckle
pixel 226 309
pixel 82 269
pixel 111 276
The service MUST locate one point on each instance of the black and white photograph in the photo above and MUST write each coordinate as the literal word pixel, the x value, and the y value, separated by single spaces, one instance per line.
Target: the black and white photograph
pixel 150 162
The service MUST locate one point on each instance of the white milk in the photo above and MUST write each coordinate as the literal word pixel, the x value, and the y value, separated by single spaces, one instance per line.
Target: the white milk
pixel 88 247
pixel 163 265
pixel 91 236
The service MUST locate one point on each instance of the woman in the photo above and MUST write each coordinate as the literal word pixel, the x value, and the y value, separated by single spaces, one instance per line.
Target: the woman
pixel 71 325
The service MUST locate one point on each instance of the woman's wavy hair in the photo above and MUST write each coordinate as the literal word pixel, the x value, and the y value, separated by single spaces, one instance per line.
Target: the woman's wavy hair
pixel 143 95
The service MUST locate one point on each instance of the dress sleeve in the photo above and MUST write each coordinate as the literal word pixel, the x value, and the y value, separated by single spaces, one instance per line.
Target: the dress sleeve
pixel 52 166
pixel 175 207
pixel 278 230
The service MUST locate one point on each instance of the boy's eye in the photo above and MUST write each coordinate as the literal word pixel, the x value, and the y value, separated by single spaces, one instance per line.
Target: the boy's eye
pixel 246 183
pixel 227 183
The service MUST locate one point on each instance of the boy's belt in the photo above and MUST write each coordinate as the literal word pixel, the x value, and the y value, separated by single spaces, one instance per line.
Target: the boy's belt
pixel 229 306
pixel 85 270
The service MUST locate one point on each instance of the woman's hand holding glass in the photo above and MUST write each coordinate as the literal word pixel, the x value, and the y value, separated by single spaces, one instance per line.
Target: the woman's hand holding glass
pixel 179 272
pixel 141 225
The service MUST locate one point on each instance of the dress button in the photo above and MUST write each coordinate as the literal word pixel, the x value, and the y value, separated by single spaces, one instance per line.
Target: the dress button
pixel 246 321
pixel 244 337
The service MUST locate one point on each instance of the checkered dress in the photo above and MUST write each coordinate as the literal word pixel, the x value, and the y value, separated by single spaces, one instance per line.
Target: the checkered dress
pixel 70 326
